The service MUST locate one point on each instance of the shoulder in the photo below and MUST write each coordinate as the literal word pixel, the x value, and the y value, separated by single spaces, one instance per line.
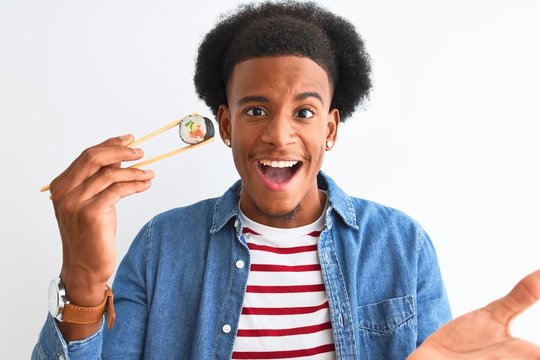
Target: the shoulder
pixel 178 226
pixel 383 224
pixel 180 215
pixel 358 212
pixel 367 210
pixel 179 233
pixel 212 213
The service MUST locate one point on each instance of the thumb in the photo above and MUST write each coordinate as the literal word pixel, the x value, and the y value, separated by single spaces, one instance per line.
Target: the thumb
pixel 519 299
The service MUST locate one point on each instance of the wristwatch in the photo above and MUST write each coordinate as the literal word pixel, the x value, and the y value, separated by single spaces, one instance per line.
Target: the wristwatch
pixel 63 310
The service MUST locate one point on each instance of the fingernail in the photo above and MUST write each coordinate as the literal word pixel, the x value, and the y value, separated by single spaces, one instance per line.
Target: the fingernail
pixel 149 172
pixel 124 137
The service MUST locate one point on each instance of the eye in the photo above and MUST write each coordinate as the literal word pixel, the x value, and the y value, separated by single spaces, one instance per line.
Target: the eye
pixel 304 113
pixel 256 111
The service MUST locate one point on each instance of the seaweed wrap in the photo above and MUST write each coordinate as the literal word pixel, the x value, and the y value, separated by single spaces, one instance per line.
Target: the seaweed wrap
pixel 195 129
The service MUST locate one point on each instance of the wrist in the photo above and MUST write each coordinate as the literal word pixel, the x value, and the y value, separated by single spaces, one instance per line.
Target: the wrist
pixel 86 309
pixel 83 291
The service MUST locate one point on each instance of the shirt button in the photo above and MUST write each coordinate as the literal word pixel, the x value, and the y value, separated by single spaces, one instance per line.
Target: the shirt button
pixel 226 328
pixel 240 264
pixel 236 223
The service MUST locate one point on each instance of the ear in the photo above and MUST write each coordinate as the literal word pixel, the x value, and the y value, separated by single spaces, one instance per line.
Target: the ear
pixel 224 122
pixel 332 125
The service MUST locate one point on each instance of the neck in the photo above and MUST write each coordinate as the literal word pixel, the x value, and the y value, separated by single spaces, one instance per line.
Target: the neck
pixel 303 214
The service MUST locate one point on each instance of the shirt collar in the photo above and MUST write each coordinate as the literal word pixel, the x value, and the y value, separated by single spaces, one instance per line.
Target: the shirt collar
pixel 338 200
pixel 227 206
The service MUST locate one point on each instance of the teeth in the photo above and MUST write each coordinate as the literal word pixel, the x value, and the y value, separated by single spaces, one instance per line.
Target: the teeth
pixel 278 164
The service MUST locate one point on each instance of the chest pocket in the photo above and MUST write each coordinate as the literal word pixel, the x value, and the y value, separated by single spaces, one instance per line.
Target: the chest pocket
pixel 387 328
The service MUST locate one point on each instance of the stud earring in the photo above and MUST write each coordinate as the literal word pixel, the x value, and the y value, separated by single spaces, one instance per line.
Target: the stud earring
pixel 227 142
pixel 329 143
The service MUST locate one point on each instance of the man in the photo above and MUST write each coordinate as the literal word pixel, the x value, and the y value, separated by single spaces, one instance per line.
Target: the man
pixel 284 264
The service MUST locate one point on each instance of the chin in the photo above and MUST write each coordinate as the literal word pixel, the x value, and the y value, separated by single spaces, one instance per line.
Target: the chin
pixel 280 212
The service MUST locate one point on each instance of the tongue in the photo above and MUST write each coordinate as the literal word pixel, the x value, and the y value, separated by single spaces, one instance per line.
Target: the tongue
pixel 277 175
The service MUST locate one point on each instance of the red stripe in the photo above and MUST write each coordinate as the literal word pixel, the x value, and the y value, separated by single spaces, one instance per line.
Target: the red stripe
pixel 284 311
pixel 314 233
pixel 282 354
pixel 281 268
pixel 284 288
pixel 284 332
pixel 291 250
pixel 247 230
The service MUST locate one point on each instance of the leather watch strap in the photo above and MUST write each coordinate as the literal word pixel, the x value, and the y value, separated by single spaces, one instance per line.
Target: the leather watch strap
pixel 90 315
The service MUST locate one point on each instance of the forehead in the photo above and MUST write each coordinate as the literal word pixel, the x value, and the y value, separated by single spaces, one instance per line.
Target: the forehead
pixel 278 75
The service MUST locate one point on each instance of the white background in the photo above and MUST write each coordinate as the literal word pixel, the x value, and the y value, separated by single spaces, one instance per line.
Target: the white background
pixel 450 135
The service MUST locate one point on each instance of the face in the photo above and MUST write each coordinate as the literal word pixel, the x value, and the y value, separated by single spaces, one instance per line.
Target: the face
pixel 278 119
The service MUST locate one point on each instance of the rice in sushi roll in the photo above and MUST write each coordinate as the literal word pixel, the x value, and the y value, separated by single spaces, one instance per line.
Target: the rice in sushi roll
pixel 195 129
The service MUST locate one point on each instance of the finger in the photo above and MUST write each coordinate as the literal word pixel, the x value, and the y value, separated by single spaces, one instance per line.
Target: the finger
pixel 90 162
pixel 119 140
pixel 117 191
pixel 108 176
pixel 522 296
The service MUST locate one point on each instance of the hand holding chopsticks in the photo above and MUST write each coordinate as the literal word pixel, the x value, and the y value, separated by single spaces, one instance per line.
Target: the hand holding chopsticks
pixel 194 130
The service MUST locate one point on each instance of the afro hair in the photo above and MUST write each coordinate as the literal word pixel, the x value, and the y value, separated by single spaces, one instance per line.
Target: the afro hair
pixel 285 28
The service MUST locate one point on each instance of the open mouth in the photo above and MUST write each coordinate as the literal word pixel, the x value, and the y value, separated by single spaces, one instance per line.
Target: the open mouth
pixel 278 172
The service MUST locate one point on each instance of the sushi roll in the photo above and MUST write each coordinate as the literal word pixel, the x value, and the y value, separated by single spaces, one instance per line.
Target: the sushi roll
pixel 195 129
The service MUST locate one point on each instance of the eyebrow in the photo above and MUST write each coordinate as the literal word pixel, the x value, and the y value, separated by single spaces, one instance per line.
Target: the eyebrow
pixel 247 99
pixel 263 99
pixel 309 94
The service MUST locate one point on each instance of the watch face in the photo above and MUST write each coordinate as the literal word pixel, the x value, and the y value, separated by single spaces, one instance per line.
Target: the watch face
pixel 54 298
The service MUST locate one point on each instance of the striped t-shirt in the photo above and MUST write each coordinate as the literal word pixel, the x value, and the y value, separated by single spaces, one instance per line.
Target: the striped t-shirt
pixel 285 312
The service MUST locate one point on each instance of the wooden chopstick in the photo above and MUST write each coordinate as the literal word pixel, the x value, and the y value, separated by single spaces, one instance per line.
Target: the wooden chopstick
pixel 156 133
pixel 44 188
pixel 148 137
pixel 170 153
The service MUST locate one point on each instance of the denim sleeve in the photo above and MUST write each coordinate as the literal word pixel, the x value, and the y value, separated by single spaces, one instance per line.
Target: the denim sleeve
pixel 51 344
pixel 433 309
pixel 126 339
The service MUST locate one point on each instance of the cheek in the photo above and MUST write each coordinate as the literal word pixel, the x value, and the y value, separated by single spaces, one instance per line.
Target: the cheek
pixel 240 151
pixel 317 153
pixel 320 155
pixel 236 152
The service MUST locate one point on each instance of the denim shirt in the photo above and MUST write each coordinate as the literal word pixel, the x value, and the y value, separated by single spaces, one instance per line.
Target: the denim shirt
pixel 179 290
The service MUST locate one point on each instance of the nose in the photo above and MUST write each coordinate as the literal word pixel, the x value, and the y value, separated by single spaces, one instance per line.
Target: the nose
pixel 279 131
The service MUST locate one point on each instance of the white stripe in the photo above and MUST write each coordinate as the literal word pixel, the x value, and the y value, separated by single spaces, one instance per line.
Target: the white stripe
pixel 265 257
pixel 302 240
pixel 324 356
pixel 283 322
pixel 283 343
pixel 285 278
pixel 280 300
